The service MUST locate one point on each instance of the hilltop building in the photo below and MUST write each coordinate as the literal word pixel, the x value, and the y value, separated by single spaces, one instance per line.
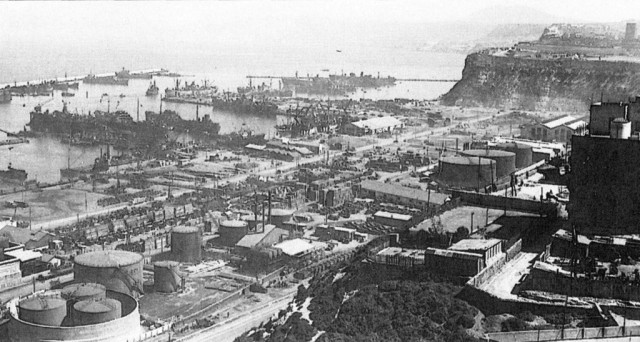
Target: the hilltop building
pixel 630 32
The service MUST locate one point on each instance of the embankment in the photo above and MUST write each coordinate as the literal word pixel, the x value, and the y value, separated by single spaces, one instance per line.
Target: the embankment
pixel 541 84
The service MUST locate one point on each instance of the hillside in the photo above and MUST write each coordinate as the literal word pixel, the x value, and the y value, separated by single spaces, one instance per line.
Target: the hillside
pixel 361 302
pixel 541 84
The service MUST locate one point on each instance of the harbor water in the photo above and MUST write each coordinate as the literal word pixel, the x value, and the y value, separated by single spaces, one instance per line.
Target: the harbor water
pixel 277 48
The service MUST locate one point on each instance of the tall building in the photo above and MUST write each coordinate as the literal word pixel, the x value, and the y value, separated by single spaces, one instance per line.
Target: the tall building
pixel 630 33
pixel 605 184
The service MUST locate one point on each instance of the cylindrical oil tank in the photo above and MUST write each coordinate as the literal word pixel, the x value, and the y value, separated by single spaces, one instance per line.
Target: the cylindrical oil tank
pixel 186 244
pixel 91 311
pixel 83 291
pixel 231 231
pixel 119 271
pixel 166 276
pixel 505 161
pixel 49 311
pixel 523 152
pixel 279 216
pixel 253 220
pixel 467 172
pixel 620 128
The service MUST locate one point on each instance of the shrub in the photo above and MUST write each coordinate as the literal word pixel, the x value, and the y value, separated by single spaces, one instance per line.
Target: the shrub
pixel 527 316
pixel 466 321
pixel 513 324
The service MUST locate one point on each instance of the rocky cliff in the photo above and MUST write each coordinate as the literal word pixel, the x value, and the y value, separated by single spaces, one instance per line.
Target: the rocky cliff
pixel 541 84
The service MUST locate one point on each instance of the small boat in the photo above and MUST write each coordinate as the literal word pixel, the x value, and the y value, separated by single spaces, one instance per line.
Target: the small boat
pixel 122 95
pixel 153 89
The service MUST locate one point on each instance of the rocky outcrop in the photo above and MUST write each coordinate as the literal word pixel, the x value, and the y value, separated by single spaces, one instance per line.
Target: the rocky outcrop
pixel 541 84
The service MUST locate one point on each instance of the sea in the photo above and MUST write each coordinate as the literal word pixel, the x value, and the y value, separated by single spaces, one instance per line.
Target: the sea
pixel 224 61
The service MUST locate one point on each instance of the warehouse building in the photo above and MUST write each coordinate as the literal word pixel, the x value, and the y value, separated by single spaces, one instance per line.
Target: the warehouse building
pixel 400 221
pixel 372 126
pixel 31 239
pixel 558 129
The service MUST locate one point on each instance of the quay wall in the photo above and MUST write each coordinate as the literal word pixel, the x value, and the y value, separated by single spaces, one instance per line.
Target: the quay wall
pixel 567 334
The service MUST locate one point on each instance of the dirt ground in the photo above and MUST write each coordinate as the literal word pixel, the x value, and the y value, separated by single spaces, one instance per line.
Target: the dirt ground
pixel 50 204
pixel 461 216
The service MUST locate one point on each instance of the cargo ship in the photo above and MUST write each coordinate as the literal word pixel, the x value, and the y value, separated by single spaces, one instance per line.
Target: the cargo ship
pixel 13 174
pixel 335 84
pixel 65 86
pixel 108 80
pixel 153 89
pixel 5 95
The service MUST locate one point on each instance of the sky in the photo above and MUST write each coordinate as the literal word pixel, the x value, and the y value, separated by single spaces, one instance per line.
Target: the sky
pixel 42 16
pixel 46 34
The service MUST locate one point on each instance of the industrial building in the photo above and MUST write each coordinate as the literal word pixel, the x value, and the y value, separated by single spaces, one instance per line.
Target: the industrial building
pixel 118 271
pixel 299 249
pixel 186 244
pixel 466 258
pixel 398 194
pixel 487 248
pixel 80 312
pixel 372 126
pixel 402 257
pixel 602 114
pixel 630 32
pixel 558 129
pixel 266 237
pixel 454 263
pixel 31 239
pixel 10 274
pixel 400 221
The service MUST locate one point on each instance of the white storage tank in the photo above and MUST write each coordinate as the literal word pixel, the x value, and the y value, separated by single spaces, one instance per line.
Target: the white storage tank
pixel 620 129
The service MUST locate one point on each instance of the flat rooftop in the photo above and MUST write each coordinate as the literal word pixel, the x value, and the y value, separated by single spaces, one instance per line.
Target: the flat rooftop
pixel 404 252
pixel 474 244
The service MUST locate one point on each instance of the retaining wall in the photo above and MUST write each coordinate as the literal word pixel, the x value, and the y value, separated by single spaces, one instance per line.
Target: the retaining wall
pixel 507 203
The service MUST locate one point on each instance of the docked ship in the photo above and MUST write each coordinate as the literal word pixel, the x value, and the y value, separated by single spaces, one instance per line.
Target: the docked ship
pixel 13 174
pixel 65 86
pixel 108 80
pixel 67 94
pixel 126 75
pixel 5 95
pixel 335 84
pixel 153 89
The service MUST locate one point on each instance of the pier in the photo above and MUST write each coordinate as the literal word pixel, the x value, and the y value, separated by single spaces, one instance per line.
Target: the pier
pixel 398 79
pixel 425 80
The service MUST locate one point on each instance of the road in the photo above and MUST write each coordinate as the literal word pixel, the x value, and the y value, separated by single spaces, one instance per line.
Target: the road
pixel 227 331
